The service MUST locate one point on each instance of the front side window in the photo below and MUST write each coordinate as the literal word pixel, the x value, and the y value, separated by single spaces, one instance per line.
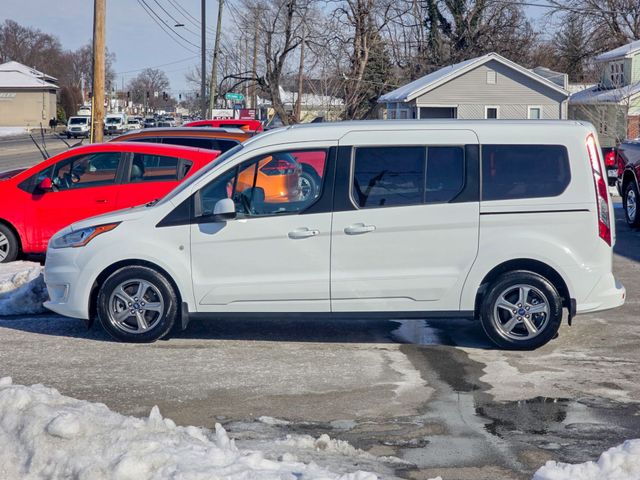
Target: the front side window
pixel 92 170
pixel 524 171
pixel 273 184
pixel 153 168
pixel 395 176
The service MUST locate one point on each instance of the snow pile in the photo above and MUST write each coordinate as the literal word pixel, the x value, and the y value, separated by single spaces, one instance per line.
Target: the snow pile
pixel 22 288
pixel 12 131
pixel 617 463
pixel 44 434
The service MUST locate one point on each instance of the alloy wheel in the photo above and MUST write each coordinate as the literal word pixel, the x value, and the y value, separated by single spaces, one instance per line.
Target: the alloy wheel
pixel 4 246
pixel 135 306
pixel 631 205
pixel 521 312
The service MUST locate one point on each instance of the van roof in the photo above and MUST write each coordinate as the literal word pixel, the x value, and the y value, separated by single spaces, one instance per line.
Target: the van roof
pixel 335 130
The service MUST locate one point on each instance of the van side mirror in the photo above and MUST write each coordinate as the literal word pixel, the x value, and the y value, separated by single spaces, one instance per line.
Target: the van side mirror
pixel 224 210
pixel 45 185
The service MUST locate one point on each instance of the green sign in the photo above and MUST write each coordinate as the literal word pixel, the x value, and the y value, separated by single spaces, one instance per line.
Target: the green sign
pixel 236 97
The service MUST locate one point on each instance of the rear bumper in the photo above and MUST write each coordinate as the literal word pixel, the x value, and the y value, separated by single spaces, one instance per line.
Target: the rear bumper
pixel 607 294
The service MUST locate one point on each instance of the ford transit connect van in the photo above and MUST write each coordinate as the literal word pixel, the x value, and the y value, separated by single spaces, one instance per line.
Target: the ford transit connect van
pixel 509 222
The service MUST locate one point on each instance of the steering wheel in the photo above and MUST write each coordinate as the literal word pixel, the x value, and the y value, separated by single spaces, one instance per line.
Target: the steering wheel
pixel 75 178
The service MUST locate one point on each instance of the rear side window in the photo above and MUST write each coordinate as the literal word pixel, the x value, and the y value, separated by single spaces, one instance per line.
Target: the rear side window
pixel 393 176
pixel 153 168
pixel 524 171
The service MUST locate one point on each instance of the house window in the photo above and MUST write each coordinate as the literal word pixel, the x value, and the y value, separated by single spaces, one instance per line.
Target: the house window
pixel 616 74
pixel 491 77
pixel 535 113
pixel 403 114
pixel 491 112
pixel 438 112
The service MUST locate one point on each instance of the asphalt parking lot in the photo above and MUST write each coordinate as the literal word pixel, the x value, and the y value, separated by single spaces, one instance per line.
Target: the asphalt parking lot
pixel 436 395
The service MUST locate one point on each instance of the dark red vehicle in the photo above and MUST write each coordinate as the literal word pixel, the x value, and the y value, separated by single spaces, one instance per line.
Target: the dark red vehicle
pixel 84 182
pixel 628 180
pixel 246 125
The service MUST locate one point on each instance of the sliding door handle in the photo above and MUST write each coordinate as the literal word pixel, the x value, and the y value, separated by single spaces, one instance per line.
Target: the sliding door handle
pixel 359 228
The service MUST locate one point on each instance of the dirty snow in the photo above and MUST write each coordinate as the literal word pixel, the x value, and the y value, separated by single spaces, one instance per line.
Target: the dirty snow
pixel 12 131
pixel 22 288
pixel 617 463
pixel 44 434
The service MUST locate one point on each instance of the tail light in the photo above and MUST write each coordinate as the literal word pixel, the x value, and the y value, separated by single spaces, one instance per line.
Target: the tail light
pixel 602 191
pixel 280 167
pixel 610 158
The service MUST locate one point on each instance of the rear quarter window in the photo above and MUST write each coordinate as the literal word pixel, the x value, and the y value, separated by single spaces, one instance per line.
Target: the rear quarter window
pixel 524 171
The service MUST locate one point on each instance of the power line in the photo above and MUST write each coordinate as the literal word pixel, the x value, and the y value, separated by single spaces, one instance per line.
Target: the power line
pixel 185 13
pixel 155 17
pixel 157 66
pixel 175 20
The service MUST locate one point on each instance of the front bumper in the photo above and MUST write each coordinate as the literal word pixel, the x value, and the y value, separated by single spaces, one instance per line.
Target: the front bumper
pixel 607 294
pixel 68 285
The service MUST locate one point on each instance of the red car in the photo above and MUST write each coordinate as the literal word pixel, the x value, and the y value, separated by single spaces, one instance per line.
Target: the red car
pixel 246 125
pixel 87 181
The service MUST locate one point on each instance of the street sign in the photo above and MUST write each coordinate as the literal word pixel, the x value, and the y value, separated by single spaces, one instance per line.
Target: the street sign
pixel 236 97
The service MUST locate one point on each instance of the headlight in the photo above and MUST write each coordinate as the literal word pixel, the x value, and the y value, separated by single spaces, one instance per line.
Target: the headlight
pixel 81 237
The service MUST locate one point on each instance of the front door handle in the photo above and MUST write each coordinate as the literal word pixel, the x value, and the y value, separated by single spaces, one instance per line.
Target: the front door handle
pixel 359 228
pixel 303 233
pixel 102 201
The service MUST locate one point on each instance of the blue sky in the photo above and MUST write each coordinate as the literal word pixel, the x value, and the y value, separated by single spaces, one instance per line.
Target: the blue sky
pixel 131 34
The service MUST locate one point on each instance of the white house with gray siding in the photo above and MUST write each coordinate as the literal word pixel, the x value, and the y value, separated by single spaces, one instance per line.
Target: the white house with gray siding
pixel 485 87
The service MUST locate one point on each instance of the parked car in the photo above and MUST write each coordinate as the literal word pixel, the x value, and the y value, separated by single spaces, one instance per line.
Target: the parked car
pixel 79 126
pixel 246 125
pixel 221 139
pixel 413 219
pixel 84 182
pixel 628 175
pixel 611 164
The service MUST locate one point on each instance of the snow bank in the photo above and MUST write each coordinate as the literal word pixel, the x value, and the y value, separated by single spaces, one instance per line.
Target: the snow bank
pixel 617 463
pixel 44 434
pixel 22 288
pixel 12 131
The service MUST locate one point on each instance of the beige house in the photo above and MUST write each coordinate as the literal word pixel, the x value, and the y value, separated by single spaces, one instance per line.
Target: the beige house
pixel 27 96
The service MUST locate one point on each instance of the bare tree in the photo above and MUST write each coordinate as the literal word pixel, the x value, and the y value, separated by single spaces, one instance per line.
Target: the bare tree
pixel 148 87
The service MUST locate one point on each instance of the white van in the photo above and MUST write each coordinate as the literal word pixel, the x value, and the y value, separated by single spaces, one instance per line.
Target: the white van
pixel 78 126
pixel 509 222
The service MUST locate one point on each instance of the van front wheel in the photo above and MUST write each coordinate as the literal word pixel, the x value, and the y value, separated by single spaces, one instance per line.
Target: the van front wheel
pixel 521 311
pixel 137 304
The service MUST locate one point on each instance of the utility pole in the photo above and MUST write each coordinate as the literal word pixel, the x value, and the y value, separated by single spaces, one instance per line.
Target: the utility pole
pixel 298 109
pixel 254 66
pixel 203 66
pixel 214 67
pixel 97 102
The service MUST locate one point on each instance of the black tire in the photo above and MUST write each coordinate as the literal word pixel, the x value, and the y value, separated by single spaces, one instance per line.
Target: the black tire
pixel 310 183
pixel 632 216
pixel 496 319
pixel 9 245
pixel 160 292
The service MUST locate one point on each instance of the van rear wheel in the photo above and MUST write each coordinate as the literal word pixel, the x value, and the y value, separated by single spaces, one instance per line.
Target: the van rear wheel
pixel 137 304
pixel 521 311
pixel 631 199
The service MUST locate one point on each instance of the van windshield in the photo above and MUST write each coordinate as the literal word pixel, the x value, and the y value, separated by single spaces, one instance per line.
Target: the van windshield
pixel 77 121
pixel 113 120
pixel 201 173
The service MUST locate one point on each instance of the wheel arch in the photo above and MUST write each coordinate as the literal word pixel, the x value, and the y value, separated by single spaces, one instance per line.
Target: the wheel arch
pixel 526 264
pixel 104 274
pixel 627 177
